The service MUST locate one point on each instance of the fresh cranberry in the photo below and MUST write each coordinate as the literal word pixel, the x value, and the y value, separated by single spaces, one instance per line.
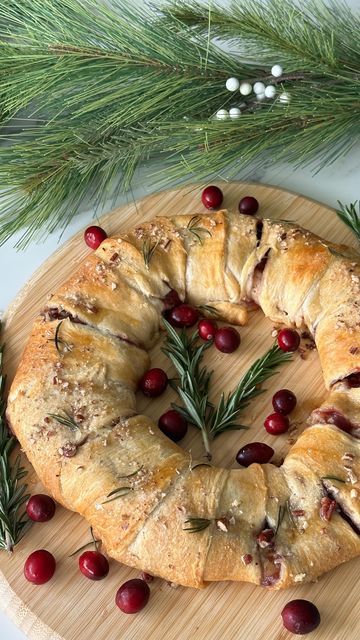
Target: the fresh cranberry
pixel 94 565
pixel 40 508
pixel 154 382
pixel 94 236
pixel 227 339
pixel 207 329
pixel 254 452
pixel 300 616
pixel 248 205
pixel 284 401
pixel 275 424
pixel 132 596
pixel 184 315
pixel 173 424
pixel 39 567
pixel 288 339
pixel 354 380
pixel 171 300
pixel 212 197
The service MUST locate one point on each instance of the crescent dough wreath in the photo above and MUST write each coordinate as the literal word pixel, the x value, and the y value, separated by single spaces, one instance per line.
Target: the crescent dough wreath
pixel 111 310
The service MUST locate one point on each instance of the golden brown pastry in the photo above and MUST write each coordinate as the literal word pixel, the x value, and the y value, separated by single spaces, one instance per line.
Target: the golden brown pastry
pixel 268 525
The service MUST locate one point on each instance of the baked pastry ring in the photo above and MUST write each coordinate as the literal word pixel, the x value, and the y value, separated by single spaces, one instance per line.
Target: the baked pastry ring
pixel 111 310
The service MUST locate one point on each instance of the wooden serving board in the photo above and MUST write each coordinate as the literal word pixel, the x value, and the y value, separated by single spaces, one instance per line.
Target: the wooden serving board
pixel 71 607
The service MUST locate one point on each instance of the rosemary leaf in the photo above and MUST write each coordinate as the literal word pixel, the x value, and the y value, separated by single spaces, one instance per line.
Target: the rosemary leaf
pixel 351 217
pixel 117 493
pixel 333 478
pixel 196 524
pixel 129 475
pixel 66 420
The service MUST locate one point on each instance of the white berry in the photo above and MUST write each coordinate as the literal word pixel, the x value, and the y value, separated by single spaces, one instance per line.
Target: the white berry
pixel 245 88
pixel 284 98
pixel 270 91
pixel 222 114
pixel 232 84
pixel 259 87
pixel 276 71
pixel 260 96
pixel 234 113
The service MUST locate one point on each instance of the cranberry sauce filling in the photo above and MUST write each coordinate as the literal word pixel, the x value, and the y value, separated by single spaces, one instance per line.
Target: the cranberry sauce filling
pixel 54 313
pixel 332 416
pixel 341 509
pixel 353 380
pixel 259 231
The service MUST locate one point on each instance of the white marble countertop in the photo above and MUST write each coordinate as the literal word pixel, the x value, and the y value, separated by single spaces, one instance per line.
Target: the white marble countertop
pixel 341 181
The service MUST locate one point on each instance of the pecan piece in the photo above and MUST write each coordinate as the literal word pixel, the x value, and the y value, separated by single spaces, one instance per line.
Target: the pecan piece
pixel 327 508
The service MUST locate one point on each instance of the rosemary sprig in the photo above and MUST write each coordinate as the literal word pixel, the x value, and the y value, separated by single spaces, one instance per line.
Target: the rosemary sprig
pixel 59 341
pixel 194 227
pixel 148 249
pixel 197 524
pixel 94 541
pixel 209 309
pixel 193 387
pixel 13 524
pixel 66 420
pixel 351 217
pixel 186 356
pixel 223 417
pixel 133 473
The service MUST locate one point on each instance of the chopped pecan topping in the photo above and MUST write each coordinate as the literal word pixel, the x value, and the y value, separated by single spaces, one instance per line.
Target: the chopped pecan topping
pixel 247 558
pixel 327 508
pixel 68 450
pixel 297 513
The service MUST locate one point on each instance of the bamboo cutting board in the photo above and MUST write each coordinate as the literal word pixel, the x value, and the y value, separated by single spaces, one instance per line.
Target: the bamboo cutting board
pixel 70 606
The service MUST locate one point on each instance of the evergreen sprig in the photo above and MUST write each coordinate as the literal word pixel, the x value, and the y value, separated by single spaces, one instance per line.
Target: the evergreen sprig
pixel 193 388
pixel 89 91
pixel 13 522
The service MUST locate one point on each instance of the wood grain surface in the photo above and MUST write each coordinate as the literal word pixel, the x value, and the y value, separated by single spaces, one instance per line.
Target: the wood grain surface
pixel 70 606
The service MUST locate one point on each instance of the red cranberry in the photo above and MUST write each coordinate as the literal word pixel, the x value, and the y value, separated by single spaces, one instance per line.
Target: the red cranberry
pixel 173 424
pixel 207 329
pixel 276 424
pixel 154 382
pixel 300 616
pixel 248 205
pixel 258 452
pixel 184 315
pixel 39 567
pixel 40 508
pixel 288 339
pixel 171 300
pixel 354 380
pixel 132 596
pixel 284 401
pixel 94 236
pixel 212 197
pixel 227 339
pixel 94 565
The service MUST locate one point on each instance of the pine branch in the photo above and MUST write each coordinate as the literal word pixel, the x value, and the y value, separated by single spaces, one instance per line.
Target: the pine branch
pixel 12 491
pixel 351 217
pixel 90 91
